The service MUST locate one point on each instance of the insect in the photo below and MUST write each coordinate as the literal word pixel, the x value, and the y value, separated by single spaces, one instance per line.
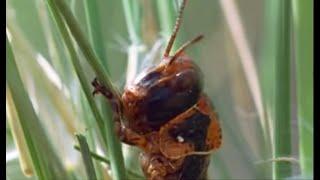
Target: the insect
pixel 165 113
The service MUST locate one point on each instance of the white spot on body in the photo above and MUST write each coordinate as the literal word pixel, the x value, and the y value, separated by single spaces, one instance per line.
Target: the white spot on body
pixel 180 139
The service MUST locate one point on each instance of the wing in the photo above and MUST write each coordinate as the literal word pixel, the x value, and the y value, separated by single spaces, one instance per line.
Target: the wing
pixel 196 131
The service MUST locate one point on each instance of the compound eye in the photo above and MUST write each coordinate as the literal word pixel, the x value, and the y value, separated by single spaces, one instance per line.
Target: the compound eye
pixel 186 80
pixel 147 78
pixel 151 77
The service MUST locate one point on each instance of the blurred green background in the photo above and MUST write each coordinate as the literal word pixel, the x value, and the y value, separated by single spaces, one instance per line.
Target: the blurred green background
pixel 246 151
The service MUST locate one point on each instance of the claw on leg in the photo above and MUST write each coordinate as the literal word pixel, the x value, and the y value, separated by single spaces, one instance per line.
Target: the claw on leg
pixel 125 134
pixel 99 88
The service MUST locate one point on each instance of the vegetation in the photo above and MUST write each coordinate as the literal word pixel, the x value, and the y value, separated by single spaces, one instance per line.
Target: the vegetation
pixel 257 66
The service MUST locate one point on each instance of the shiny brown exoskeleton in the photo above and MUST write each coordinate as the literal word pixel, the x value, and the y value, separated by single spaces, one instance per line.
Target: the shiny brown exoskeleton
pixel 166 114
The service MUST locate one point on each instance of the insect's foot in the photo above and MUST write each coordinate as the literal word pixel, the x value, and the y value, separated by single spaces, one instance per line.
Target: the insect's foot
pixel 99 88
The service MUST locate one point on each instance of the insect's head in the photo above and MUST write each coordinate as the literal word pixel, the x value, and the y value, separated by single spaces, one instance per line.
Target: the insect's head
pixel 161 93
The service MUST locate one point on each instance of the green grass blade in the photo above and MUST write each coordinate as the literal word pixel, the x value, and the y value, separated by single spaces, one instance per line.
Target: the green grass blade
pixel 115 152
pixel 84 45
pixel 95 30
pixel 46 167
pixel 303 31
pixel 94 155
pixel 132 11
pixel 16 130
pixel 107 161
pixel 55 54
pixel 83 81
pixel 86 156
pixel 282 121
pixel 167 16
pixel 133 20
pixel 46 90
pixel 266 69
pixel 97 41
pixel 79 71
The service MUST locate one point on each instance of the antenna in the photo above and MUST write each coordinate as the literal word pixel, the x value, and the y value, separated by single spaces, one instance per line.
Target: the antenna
pixel 175 30
pixel 184 46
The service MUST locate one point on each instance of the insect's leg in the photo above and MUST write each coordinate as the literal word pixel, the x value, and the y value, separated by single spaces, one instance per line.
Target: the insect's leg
pixel 125 134
pixel 113 99
pixel 130 137
pixel 158 167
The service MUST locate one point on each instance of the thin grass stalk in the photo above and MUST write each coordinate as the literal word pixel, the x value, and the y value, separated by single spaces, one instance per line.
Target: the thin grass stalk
pixel 115 152
pixel 247 151
pixel 247 60
pixel 107 161
pixel 167 16
pixel 132 12
pixel 94 155
pixel 84 45
pixel 11 66
pixel 17 133
pixel 79 71
pixel 133 19
pixel 97 42
pixel 267 66
pixel 95 31
pixel 45 167
pixel 282 121
pixel 85 87
pixel 83 82
pixel 136 10
pixel 303 31
pixel 53 92
pixel 268 56
pixel 246 56
pixel 92 139
pixel 54 53
pixel 86 157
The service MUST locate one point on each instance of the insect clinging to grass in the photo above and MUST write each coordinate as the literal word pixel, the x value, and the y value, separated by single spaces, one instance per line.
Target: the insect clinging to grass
pixel 165 113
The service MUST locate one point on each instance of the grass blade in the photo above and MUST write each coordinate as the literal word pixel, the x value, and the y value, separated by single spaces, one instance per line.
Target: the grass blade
pixel 45 167
pixel 248 63
pixel 246 56
pixel 132 15
pixel 107 161
pixel 84 45
pixel 167 16
pixel 86 156
pixel 16 130
pixel 79 71
pixel 282 121
pixel 94 155
pixel 115 152
pixel 97 41
pixel 52 90
pixel 267 66
pixel 303 31
pixel 83 81
pixel 95 30
pixel 133 20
